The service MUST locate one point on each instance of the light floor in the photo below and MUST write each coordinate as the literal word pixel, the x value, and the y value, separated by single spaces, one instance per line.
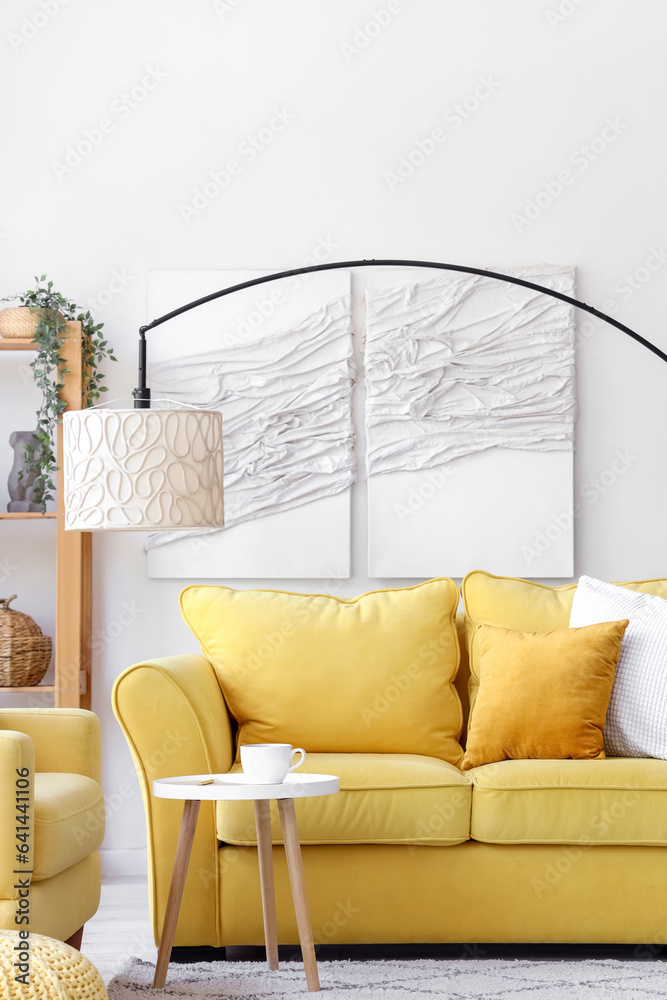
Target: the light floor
pixel 120 929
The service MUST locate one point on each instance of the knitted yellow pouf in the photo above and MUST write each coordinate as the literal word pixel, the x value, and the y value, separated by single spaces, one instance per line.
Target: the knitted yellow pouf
pixel 54 970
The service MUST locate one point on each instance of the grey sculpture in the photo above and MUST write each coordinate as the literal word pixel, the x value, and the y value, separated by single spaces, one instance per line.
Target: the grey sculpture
pixel 20 489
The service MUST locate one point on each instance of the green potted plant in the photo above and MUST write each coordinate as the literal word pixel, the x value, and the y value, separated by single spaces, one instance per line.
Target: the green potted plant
pixel 50 312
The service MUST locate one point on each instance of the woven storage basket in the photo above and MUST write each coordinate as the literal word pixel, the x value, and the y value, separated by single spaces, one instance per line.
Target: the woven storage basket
pixel 19 322
pixel 24 651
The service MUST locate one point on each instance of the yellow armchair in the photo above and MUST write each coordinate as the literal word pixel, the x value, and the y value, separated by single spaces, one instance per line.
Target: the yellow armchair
pixel 52 801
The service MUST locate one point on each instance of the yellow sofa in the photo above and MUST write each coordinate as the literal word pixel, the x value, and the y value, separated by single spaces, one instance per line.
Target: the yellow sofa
pixel 58 751
pixel 412 849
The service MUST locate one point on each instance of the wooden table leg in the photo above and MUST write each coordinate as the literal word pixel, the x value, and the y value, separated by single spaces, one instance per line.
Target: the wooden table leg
pixel 181 861
pixel 263 827
pixel 295 868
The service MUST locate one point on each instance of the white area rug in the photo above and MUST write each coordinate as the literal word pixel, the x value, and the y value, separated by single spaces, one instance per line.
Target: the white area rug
pixel 424 979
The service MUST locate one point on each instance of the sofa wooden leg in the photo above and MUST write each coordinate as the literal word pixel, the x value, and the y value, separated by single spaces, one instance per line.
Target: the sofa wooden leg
pixel 75 940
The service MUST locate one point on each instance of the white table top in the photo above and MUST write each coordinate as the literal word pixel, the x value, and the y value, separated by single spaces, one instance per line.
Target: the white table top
pixel 237 786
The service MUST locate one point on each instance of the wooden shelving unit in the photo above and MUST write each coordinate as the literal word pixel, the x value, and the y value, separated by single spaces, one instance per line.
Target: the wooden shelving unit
pixel 73 558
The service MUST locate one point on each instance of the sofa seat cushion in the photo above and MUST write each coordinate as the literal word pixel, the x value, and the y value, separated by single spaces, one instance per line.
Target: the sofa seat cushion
pixel 69 821
pixel 383 799
pixel 587 802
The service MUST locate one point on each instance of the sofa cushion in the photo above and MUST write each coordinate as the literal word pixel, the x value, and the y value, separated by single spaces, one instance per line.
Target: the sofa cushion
pixel 383 799
pixel 585 802
pixel 521 604
pixel 371 674
pixel 69 821
pixel 542 694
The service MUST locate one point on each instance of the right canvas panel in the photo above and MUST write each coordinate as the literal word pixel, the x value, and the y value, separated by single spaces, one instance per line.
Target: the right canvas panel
pixel 470 416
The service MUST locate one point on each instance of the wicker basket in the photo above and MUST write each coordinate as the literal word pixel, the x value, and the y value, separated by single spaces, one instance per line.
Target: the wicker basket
pixel 18 322
pixel 24 652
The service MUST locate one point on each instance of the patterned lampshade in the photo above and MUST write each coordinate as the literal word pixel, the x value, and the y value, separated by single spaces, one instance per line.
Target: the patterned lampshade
pixel 142 470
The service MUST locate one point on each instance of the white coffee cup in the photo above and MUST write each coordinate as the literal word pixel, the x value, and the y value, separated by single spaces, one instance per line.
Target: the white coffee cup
pixel 269 763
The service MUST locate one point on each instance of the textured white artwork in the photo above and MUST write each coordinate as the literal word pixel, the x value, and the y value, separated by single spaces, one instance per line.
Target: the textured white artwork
pixel 636 724
pixel 469 423
pixel 277 362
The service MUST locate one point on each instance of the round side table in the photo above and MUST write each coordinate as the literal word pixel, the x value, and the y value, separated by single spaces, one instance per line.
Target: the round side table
pixel 198 788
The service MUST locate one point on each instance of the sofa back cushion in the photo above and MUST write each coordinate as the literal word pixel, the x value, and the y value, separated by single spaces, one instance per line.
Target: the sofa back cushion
pixel 520 604
pixel 372 674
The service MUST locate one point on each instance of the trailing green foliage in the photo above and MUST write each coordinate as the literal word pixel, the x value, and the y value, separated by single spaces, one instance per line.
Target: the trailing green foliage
pixel 54 311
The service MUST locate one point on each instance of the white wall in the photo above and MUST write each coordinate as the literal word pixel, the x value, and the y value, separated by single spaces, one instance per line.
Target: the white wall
pixel 353 105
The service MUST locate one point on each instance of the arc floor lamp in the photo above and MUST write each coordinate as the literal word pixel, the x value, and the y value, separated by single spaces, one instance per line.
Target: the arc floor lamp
pixel 149 469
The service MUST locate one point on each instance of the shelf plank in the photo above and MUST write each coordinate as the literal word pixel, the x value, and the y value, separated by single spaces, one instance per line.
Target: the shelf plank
pixel 26 516
pixel 16 344
pixel 23 690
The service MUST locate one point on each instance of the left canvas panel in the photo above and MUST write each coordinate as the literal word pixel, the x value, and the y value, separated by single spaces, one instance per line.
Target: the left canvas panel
pixel 277 361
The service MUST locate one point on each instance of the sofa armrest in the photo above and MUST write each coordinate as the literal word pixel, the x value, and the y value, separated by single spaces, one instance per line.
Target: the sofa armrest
pixel 17 754
pixel 65 739
pixel 176 722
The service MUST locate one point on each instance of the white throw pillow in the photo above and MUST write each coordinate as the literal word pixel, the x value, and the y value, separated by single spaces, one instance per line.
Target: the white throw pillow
pixel 636 723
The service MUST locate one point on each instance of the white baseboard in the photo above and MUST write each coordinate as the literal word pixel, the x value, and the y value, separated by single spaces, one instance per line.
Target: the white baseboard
pixel 125 863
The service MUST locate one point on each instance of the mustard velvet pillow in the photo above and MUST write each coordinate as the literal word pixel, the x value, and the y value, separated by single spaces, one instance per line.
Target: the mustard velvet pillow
pixel 542 695
pixel 373 674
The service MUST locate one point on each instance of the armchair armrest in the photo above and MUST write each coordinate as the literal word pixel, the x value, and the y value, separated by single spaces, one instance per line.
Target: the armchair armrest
pixel 176 722
pixel 17 753
pixel 65 739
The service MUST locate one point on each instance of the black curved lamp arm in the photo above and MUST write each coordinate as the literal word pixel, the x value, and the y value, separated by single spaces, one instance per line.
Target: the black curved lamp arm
pixel 142 394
